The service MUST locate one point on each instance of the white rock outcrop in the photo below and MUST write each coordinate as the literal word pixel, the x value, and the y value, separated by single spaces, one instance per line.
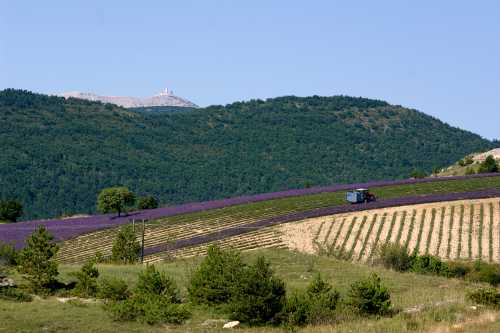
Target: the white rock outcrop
pixel 164 98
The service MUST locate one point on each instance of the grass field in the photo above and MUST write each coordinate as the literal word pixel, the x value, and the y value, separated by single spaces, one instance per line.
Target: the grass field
pixel 425 303
pixel 188 225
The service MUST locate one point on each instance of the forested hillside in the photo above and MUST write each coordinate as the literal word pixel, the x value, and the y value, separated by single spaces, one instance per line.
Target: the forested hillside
pixel 57 154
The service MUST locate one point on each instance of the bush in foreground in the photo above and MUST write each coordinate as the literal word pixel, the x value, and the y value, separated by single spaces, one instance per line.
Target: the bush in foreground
pixel 8 255
pixel 259 296
pixel 316 306
pixel 112 289
pixel 370 296
pixel 213 282
pixel 14 294
pixel 155 300
pixel 36 261
pixel 486 296
pixel 86 285
pixel 395 256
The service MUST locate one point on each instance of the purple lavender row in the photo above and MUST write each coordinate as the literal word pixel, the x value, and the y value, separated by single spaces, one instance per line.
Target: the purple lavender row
pixel 64 229
pixel 241 229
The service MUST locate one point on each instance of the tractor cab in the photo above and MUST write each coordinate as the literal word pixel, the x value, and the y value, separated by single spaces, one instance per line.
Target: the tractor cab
pixel 360 195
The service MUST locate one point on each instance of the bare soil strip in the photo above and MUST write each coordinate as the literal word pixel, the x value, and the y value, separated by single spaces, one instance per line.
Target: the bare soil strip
pixel 345 237
pixel 496 231
pixel 329 232
pixel 474 232
pixel 426 231
pixel 368 237
pixel 483 239
pixel 437 239
pixel 456 231
pixel 338 232
pixel 351 242
pixel 387 233
pixel 362 236
pixel 378 231
pixel 442 251
pixel 413 237
pixel 399 234
pixel 357 239
pixel 464 252
pixel 490 230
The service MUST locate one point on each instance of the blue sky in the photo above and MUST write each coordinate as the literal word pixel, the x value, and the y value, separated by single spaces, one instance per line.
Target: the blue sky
pixel 440 57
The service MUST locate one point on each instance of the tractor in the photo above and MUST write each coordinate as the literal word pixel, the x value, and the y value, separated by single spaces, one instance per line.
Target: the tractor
pixel 359 196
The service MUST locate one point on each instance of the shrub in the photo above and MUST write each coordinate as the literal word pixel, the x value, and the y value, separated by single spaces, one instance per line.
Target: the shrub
pixel 323 300
pixel 316 305
pixel 458 269
pixel 417 174
pixel 125 310
pixel 112 289
pixel 487 296
pixel 151 282
pixel 86 284
pixel 395 256
pixel 259 296
pixel 489 165
pixel 156 310
pixel 213 281
pixel 370 296
pixel 14 294
pixel 428 264
pixel 8 254
pixel 148 202
pixel 10 210
pixel 126 248
pixel 115 199
pixel 485 272
pixel 470 171
pixel 36 260
pixel 155 300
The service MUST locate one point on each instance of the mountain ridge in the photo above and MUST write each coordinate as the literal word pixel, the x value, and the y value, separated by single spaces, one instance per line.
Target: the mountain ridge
pixel 164 98
pixel 59 153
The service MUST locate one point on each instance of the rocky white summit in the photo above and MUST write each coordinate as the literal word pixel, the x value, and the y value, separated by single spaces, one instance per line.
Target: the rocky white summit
pixel 164 98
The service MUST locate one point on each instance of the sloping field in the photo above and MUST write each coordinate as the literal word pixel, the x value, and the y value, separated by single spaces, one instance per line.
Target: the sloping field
pixel 463 229
pixel 255 206
pixel 165 237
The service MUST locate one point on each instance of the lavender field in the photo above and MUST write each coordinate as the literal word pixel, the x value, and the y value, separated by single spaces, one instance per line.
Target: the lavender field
pixel 64 229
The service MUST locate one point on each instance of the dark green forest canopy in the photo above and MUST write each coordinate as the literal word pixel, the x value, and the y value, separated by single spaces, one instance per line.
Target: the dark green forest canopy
pixel 57 154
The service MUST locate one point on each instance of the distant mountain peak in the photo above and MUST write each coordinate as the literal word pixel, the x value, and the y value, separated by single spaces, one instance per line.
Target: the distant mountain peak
pixel 164 98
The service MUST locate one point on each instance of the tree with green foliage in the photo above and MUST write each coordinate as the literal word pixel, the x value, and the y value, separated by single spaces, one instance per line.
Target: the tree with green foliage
pixel 155 300
pixel 213 281
pixel 8 254
pixel 370 296
pixel 488 165
pixel 10 210
pixel 147 202
pixel 417 174
pixel 115 200
pixel 126 247
pixel 36 260
pixel 259 296
pixel 86 285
